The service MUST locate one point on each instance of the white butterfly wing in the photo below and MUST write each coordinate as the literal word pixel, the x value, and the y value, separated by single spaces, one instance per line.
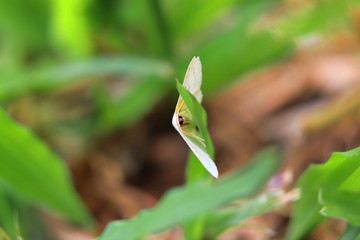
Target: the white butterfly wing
pixel 204 158
pixel 193 78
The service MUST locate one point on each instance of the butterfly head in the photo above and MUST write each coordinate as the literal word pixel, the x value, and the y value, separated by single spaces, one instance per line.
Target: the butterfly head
pixel 181 120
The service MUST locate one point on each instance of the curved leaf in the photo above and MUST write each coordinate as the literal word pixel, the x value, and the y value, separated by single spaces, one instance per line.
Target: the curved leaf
pixel 34 172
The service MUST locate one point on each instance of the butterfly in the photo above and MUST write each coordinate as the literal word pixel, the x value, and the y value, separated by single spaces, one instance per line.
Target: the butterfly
pixel 190 121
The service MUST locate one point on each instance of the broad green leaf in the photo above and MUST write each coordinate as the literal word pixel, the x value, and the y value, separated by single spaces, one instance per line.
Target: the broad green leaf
pixel 326 184
pixel 188 202
pixel 14 84
pixel 32 171
pixel 341 204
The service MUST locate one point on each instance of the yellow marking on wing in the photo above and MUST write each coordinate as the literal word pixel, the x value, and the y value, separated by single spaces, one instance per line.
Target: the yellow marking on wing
pixel 201 140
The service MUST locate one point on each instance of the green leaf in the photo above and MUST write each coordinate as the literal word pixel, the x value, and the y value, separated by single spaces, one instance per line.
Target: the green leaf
pixel 195 171
pixel 185 203
pixel 341 204
pixel 194 229
pixel 32 171
pixel 326 185
pixel 305 215
pixel 57 76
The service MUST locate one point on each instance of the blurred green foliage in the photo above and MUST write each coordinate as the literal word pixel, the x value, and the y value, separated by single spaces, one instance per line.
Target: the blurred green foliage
pixel 70 27
pixel 225 219
pixel 32 171
pixel 185 203
pixel 143 44
pixel 18 219
pixel 331 189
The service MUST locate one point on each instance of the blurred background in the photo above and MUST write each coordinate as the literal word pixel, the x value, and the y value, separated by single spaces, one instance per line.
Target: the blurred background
pixel 94 81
